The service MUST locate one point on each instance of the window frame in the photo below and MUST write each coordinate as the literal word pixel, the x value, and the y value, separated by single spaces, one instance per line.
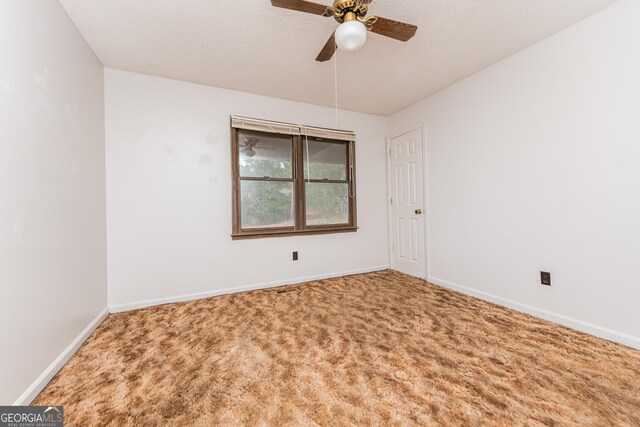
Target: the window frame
pixel 299 196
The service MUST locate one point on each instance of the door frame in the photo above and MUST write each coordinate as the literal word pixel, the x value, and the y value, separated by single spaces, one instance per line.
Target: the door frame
pixel 425 199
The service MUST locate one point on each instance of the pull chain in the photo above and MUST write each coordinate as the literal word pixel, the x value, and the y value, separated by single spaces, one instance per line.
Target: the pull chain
pixel 335 64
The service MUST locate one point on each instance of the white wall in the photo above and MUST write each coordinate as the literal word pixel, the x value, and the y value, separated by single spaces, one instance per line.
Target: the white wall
pixel 169 194
pixel 534 164
pixel 52 192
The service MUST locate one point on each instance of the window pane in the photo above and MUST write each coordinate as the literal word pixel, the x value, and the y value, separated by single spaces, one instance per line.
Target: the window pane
pixel 264 154
pixel 327 160
pixel 327 203
pixel 266 204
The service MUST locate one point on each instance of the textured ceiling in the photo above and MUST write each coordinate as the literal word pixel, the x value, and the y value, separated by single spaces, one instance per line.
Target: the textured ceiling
pixel 249 45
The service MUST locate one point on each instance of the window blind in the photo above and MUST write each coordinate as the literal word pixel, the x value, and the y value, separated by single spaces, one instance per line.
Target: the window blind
pixel 327 133
pixel 264 125
pixel 290 129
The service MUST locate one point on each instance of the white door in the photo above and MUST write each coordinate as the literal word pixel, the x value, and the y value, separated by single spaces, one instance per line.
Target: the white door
pixel 407 216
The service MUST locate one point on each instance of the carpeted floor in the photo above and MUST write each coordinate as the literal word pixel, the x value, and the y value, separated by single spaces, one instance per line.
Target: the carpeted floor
pixel 374 349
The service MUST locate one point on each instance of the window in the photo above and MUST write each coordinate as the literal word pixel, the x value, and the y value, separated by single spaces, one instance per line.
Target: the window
pixel 291 180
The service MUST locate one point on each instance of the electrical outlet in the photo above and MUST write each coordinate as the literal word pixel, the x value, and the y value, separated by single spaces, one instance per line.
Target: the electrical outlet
pixel 545 278
pixel 295 255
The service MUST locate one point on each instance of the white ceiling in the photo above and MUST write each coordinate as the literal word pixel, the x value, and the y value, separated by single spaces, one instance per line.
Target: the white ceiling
pixel 251 46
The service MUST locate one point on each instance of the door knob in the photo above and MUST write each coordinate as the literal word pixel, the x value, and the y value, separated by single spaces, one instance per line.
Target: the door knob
pixel 418 211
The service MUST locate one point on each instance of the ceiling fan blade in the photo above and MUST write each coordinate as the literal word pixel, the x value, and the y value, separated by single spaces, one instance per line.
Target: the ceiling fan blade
pixel 394 29
pixel 328 50
pixel 302 6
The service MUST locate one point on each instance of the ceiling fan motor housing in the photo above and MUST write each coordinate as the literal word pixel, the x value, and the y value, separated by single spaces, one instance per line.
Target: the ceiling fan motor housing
pixel 344 10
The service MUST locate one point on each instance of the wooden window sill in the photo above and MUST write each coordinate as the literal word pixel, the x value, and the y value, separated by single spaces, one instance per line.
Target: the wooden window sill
pixel 287 233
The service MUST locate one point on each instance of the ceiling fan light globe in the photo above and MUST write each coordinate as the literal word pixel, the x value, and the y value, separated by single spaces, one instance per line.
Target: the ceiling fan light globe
pixel 351 35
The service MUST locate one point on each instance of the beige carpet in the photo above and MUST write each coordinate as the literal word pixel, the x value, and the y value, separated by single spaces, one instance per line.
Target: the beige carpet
pixel 372 349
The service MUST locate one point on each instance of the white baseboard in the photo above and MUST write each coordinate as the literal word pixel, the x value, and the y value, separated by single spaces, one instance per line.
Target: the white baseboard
pixel 190 297
pixel 40 383
pixel 589 328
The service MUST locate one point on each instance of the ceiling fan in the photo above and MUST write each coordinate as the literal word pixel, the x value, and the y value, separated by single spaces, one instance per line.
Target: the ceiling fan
pixel 352 32
pixel 249 146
